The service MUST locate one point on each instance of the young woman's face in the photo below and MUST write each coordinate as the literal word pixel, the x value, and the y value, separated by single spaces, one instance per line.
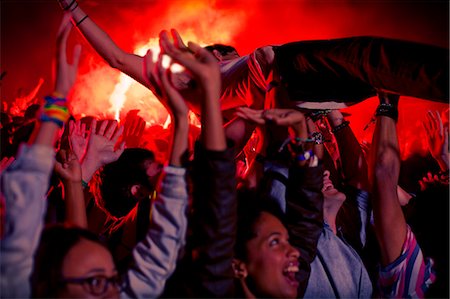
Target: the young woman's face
pixel 92 263
pixel 271 261
pixel 330 193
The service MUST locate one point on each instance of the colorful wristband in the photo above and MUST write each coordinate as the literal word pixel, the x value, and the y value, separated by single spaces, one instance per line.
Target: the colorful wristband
pixel 55 110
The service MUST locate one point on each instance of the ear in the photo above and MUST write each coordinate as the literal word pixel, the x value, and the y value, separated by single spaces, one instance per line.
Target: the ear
pixel 138 191
pixel 239 269
pixel 217 55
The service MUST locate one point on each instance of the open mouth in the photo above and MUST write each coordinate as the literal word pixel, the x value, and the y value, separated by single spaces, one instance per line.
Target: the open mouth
pixel 289 272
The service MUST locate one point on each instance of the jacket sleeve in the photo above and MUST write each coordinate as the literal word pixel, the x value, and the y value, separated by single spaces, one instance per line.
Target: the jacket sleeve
pixel 155 257
pixel 214 229
pixel 304 216
pixel 24 185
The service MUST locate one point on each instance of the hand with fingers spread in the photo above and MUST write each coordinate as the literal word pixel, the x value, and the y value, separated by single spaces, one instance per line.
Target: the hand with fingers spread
pixel 301 149
pixel 169 95
pixel 78 138
pixel 66 73
pixel 281 117
pixel 437 137
pixel 68 167
pixel 101 148
pixel 134 127
pixel 197 60
pixel 433 180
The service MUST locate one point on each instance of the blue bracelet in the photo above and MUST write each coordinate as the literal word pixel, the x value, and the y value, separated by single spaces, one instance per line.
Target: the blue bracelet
pixel 305 156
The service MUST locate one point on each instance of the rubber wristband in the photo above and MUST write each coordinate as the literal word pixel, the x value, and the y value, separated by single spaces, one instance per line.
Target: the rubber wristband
pixel 84 184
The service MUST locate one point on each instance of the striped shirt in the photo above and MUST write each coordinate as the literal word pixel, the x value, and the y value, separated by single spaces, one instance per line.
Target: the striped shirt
pixel 410 275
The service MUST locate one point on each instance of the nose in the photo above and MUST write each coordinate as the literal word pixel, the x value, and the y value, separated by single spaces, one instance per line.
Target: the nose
pixel 293 252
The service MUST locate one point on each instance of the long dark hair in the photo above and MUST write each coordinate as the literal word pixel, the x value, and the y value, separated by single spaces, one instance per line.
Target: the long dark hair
pixel 251 204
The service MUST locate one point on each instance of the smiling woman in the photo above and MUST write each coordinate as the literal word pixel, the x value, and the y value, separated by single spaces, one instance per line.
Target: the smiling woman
pixel 265 262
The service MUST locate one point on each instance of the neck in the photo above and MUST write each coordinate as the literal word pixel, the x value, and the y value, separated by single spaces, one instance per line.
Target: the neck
pixel 248 294
pixel 330 212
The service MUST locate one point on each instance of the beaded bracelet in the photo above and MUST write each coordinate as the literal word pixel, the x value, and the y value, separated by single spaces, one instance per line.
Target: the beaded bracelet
pixel 317 137
pixel 387 110
pixel 304 156
pixel 344 124
pixel 319 114
pixel 294 142
pixel 55 110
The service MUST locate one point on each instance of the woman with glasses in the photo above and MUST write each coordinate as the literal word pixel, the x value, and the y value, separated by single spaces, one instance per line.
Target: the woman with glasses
pixel 70 261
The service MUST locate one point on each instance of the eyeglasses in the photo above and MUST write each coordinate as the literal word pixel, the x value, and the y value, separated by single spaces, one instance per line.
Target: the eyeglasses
pixel 97 285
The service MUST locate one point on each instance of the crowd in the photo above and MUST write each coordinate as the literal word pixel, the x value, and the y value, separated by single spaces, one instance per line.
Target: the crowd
pixel 88 211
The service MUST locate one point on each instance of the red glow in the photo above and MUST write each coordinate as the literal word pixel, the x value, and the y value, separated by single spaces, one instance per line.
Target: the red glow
pixel 246 24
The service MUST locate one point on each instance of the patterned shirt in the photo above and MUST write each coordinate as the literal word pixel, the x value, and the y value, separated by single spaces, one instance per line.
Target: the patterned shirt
pixel 410 275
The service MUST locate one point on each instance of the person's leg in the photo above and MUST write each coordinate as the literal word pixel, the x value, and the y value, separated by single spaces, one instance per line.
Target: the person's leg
pixel 353 69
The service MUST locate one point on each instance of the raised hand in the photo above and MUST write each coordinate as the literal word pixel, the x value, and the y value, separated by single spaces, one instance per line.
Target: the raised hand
pixel 68 167
pixel 66 73
pixel 161 79
pixel 281 117
pixel 134 127
pixel 78 138
pixel 101 148
pixel 197 60
pixel 437 137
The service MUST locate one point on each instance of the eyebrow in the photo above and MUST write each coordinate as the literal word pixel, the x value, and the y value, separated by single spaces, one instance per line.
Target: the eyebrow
pixel 99 270
pixel 274 234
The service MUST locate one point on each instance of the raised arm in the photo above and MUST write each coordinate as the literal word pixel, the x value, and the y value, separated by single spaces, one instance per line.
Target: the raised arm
pixel 390 224
pixel 354 164
pixel 405 273
pixel 127 63
pixel 25 183
pixel 69 170
pixel 214 185
pixel 355 214
pixel 156 256
pixel 304 199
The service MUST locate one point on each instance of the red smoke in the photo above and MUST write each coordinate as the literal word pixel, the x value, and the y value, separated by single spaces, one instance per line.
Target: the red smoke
pixel 245 24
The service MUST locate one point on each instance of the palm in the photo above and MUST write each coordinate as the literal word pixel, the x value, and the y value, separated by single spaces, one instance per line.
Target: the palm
pixel 69 168
pixel 101 146
pixel 168 89
pixel 78 138
pixel 102 149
